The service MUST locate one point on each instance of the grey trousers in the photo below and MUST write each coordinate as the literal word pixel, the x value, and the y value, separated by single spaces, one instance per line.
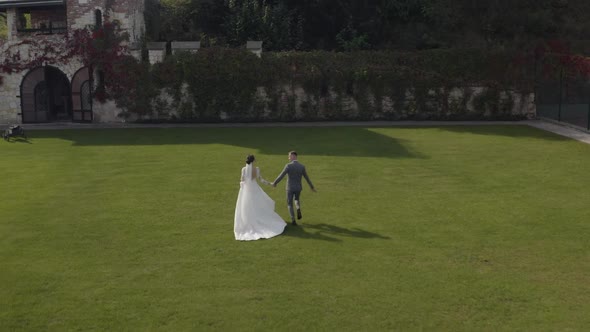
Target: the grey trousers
pixel 290 196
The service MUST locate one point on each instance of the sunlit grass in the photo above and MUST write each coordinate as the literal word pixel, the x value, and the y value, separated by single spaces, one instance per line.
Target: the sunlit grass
pixel 454 228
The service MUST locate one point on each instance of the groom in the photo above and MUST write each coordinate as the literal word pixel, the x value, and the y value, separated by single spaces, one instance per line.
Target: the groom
pixel 295 171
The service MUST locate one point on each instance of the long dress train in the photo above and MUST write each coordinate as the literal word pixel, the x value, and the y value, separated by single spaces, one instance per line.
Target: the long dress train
pixel 255 217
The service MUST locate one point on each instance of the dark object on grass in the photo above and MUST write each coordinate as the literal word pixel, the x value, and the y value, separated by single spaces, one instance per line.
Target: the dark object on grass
pixel 14 131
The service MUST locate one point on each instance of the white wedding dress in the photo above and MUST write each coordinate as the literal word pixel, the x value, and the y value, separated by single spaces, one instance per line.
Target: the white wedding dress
pixel 255 216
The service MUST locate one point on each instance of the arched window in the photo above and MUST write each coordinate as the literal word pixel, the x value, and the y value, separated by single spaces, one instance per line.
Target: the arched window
pixel 98 18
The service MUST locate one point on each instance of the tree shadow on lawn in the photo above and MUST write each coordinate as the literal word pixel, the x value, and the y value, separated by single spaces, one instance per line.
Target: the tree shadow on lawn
pixel 327 232
pixel 327 141
pixel 516 131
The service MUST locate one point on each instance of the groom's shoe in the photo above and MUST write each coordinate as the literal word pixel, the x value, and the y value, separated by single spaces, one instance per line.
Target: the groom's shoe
pixel 293 222
pixel 299 216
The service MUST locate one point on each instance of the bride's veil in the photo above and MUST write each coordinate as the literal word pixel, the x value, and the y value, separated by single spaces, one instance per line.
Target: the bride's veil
pixel 248 176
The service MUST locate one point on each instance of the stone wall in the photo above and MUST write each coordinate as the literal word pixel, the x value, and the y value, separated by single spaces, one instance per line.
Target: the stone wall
pixel 79 14
pixel 9 89
pixel 522 105
pixel 106 112
pixel 129 15
pixel 10 103
pixel 295 103
pixel 11 23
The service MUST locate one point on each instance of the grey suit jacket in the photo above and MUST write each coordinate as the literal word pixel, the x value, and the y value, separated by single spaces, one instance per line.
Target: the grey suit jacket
pixel 294 171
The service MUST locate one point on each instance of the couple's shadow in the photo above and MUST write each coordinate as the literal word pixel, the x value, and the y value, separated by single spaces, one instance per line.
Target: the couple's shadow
pixel 328 232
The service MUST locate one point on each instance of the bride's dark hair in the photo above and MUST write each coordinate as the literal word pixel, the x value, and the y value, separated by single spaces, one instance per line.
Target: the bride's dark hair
pixel 250 158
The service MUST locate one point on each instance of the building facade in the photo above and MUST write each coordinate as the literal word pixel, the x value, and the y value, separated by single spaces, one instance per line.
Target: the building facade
pixel 51 92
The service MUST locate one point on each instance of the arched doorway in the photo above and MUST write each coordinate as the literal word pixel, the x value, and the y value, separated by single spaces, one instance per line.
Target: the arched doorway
pixel 45 96
pixel 82 95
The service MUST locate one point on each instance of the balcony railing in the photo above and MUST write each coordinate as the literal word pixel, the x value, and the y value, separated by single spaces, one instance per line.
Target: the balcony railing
pixel 48 28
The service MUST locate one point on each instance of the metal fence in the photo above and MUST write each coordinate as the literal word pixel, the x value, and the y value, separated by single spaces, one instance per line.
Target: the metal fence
pixel 564 99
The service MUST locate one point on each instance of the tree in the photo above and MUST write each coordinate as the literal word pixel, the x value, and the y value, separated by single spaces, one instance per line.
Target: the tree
pixel 3 26
pixel 375 24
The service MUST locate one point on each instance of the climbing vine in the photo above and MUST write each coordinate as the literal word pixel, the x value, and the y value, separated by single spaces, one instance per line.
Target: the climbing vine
pixel 101 48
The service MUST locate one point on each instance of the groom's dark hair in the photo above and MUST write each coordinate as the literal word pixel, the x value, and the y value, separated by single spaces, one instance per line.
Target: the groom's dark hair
pixel 250 158
pixel 293 152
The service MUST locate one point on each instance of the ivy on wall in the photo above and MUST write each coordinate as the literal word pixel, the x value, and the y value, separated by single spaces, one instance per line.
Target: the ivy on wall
pixel 225 84
pixel 234 85
pixel 101 48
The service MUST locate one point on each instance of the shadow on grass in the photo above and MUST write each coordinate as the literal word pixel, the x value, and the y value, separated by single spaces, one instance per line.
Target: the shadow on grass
pixel 319 141
pixel 18 140
pixel 509 131
pixel 327 232
pixel 340 141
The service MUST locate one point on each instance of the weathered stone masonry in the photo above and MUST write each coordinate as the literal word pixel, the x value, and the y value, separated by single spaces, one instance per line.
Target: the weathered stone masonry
pixel 67 15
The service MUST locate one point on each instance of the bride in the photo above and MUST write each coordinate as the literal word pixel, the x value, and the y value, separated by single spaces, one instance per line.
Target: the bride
pixel 255 216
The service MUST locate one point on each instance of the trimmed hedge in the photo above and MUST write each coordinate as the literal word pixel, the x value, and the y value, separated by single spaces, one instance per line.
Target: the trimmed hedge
pixel 220 84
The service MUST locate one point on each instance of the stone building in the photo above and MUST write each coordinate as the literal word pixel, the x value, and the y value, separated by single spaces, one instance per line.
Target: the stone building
pixel 58 91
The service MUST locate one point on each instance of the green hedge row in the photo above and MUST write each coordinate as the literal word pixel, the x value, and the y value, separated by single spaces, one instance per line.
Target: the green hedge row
pixel 220 84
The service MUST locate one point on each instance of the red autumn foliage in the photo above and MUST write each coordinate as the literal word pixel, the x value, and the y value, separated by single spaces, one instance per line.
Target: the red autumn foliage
pixel 99 49
pixel 556 58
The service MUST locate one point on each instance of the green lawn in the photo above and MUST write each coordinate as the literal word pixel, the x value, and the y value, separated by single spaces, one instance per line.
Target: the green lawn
pixel 451 228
